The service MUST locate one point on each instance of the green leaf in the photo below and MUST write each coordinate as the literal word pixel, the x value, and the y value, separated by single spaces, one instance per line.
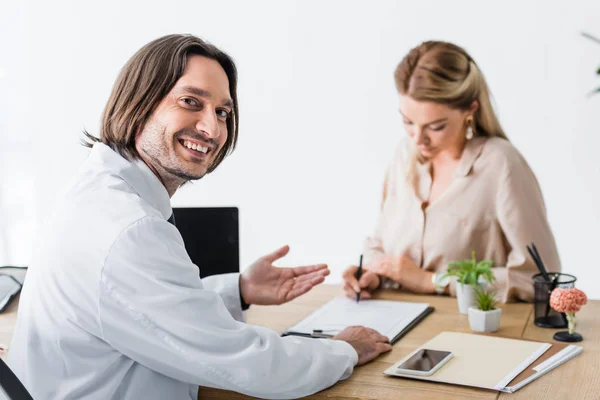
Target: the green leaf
pixel 593 92
pixel 598 72
pixel 587 35
pixel 469 271
pixel 485 300
pixel 472 278
pixel 484 268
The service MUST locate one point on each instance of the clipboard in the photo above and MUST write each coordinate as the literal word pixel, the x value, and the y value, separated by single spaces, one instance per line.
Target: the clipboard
pixel 341 313
pixel 414 323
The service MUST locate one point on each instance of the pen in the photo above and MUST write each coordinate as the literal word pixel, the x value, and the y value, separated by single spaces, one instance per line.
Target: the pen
pixel 533 252
pixel 538 261
pixel 316 334
pixel 358 275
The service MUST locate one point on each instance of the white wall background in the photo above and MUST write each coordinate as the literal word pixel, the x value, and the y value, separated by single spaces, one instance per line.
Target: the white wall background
pixel 319 113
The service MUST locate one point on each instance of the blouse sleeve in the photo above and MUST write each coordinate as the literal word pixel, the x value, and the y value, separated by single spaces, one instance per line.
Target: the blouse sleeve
pixel 521 213
pixel 373 244
pixel 373 248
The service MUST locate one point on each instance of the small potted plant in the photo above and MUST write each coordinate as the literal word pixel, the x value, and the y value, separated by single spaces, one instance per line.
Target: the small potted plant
pixel 470 275
pixel 484 316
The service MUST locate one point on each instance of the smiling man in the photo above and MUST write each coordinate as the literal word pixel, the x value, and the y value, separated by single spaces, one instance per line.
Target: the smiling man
pixel 187 132
pixel 113 307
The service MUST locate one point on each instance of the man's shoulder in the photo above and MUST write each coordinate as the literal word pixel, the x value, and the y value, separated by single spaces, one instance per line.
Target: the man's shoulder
pixel 109 197
pixel 99 206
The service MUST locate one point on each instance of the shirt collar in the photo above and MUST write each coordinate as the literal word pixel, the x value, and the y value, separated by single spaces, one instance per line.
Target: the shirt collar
pixel 470 153
pixel 137 174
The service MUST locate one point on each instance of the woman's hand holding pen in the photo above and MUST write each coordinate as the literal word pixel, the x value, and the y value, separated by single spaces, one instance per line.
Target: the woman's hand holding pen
pixel 403 270
pixel 367 283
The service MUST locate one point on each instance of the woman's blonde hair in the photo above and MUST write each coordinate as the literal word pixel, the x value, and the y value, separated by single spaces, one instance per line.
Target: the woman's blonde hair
pixel 444 73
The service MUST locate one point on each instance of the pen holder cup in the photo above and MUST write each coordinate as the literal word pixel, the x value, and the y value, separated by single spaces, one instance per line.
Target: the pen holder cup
pixel 546 316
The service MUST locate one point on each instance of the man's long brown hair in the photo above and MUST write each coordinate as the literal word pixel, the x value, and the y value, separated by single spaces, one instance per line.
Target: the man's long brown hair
pixel 144 82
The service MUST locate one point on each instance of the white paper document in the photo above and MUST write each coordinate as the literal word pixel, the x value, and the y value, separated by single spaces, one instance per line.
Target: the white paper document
pixel 386 317
pixel 560 358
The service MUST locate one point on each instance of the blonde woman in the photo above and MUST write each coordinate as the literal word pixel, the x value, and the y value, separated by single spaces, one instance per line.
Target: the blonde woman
pixel 456 184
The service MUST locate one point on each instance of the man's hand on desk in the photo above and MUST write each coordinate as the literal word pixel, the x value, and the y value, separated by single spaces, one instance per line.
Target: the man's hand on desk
pixel 264 284
pixel 367 342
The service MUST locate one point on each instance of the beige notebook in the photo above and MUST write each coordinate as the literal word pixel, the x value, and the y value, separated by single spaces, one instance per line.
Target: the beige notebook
pixel 492 362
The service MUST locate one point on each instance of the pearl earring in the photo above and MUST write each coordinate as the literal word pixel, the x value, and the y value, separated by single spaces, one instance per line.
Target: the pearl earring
pixel 469 134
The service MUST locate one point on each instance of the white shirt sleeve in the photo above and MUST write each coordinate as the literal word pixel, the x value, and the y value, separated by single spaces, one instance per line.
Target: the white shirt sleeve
pixel 154 309
pixel 228 287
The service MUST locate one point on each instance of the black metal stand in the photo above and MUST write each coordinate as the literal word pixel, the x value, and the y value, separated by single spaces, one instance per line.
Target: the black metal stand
pixel 566 337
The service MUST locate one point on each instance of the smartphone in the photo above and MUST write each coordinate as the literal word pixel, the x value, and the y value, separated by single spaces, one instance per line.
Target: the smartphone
pixel 424 362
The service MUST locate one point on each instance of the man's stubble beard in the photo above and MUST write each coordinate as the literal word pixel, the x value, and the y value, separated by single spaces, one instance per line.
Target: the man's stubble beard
pixel 171 175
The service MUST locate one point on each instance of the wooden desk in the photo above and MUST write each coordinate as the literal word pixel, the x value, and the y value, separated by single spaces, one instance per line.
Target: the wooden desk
pixel 8 319
pixel 577 379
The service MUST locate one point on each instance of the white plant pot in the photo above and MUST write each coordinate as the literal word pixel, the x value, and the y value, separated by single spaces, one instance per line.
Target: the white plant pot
pixel 484 321
pixel 465 295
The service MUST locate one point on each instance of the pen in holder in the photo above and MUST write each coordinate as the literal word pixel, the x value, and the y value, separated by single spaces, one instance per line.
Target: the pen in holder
pixel 546 316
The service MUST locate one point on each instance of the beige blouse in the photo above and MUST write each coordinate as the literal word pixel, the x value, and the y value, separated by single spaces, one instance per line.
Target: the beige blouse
pixel 493 206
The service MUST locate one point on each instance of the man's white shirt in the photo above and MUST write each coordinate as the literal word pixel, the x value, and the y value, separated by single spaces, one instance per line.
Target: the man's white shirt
pixel 113 307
